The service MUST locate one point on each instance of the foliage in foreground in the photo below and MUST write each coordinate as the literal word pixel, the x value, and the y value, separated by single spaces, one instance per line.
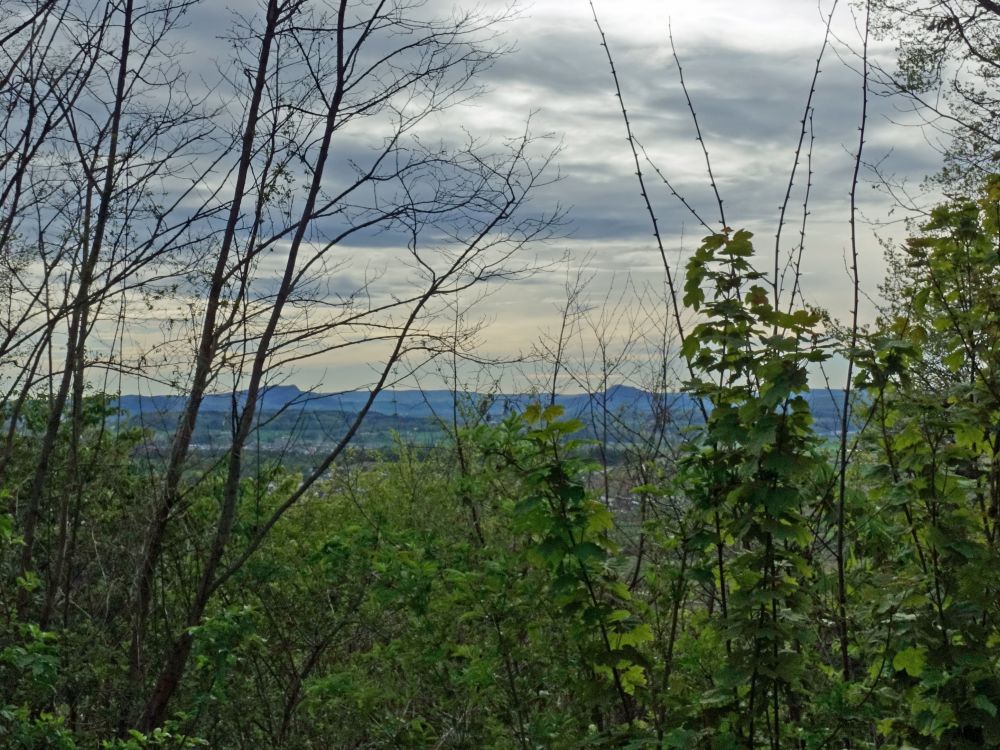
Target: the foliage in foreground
pixel 483 596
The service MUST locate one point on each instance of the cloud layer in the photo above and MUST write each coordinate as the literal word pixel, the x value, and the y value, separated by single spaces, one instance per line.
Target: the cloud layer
pixel 748 68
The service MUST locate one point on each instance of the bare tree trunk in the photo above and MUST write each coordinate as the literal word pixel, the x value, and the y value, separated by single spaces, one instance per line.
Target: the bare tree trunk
pixel 79 319
pixel 168 494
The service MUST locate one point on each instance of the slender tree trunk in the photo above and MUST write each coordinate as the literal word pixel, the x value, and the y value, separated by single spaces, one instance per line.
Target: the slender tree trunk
pixel 169 491
pixel 79 320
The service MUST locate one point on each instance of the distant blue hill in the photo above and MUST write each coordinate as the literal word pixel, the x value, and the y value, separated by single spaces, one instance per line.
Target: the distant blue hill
pixel 413 404
pixel 401 403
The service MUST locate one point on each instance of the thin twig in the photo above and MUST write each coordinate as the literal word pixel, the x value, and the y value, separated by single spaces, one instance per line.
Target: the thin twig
pixel 642 182
pixel 697 126
pixel 806 123
pixel 845 413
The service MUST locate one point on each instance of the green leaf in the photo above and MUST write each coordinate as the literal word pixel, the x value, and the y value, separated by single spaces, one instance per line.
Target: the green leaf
pixel 910 660
pixel 600 519
pixel 632 676
pixel 985 704
pixel 552 412
pixel 638 635
pixel 589 551
pixel 884 726
pixel 955 360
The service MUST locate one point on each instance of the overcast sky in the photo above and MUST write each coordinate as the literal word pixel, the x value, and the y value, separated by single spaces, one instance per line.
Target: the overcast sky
pixel 748 65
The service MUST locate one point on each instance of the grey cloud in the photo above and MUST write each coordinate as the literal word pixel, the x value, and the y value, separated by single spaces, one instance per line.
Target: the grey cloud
pixel 749 102
pixel 749 105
